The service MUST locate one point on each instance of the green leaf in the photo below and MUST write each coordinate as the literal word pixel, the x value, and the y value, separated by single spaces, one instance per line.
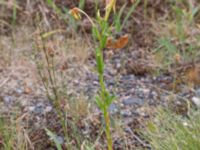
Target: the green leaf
pixel 100 103
pixel 99 18
pixel 96 33
pixel 103 42
pixel 99 60
pixel 109 99
pixel 53 136
pixel 130 12
pixel 117 18
pixel 81 4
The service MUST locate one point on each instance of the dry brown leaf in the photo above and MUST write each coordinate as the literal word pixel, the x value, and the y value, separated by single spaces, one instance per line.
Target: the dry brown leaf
pixel 27 90
pixel 117 44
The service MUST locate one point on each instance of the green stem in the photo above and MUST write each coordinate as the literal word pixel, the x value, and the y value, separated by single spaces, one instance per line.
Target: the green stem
pixel 108 133
pixel 106 113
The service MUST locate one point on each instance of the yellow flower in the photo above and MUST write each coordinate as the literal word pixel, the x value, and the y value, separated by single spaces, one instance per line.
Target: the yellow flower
pixel 75 13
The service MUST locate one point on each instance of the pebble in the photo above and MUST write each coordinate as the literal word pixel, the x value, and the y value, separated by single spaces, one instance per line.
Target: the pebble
pixel 48 109
pixel 118 66
pixel 24 102
pixel 110 82
pixel 127 77
pixel 39 108
pixel 60 139
pixel 31 108
pixel 133 101
pixel 95 83
pixel 113 108
pixel 19 91
pixel 8 99
pixel 196 101
pixel 153 95
pixel 198 92
pixel 126 113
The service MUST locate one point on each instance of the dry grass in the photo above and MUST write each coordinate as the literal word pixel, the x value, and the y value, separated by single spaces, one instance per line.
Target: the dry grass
pixel 79 108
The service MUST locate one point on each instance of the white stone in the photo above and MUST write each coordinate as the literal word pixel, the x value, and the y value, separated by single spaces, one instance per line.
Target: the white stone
pixel 196 101
pixel 48 109
pixel 31 108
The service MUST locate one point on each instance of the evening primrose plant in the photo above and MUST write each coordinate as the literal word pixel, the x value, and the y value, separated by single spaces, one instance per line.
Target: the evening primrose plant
pixel 101 30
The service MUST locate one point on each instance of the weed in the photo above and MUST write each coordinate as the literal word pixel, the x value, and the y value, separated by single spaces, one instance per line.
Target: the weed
pixel 101 31
pixel 119 23
pixel 12 134
pixel 176 37
pixel 47 73
pixel 173 132
pixel 103 99
pixel 6 136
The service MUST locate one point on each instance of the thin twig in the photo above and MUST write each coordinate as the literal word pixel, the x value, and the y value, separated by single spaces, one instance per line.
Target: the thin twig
pixel 138 138
pixel 6 80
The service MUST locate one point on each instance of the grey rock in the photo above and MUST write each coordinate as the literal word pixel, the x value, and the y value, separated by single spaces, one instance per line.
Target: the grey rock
pixel 113 108
pixel 127 77
pixel 19 91
pixel 118 66
pixel 8 99
pixel 127 86
pixel 196 101
pixel 60 139
pixel 153 95
pixel 110 82
pixel 95 83
pixel 39 109
pixel 31 108
pixel 198 92
pixel 40 104
pixel 24 102
pixel 125 113
pixel 48 109
pixel 133 101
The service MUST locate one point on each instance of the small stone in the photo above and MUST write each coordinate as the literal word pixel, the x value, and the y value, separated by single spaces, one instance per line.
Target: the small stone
pixel 8 99
pixel 133 101
pixel 127 77
pixel 113 108
pixel 110 82
pixel 31 108
pixel 24 102
pixel 142 92
pixel 198 92
pixel 153 95
pixel 48 109
pixel 60 139
pixel 95 83
pixel 118 66
pixel 38 110
pixel 141 111
pixel 19 91
pixel 40 104
pixel 146 91
pixel 125 113
pixel 196 101
pixel 127 86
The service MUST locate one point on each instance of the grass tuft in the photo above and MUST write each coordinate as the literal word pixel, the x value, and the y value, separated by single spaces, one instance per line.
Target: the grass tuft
pixel 169 131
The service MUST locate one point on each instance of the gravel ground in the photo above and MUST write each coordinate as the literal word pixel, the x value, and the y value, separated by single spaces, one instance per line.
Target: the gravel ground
pixel 137 95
